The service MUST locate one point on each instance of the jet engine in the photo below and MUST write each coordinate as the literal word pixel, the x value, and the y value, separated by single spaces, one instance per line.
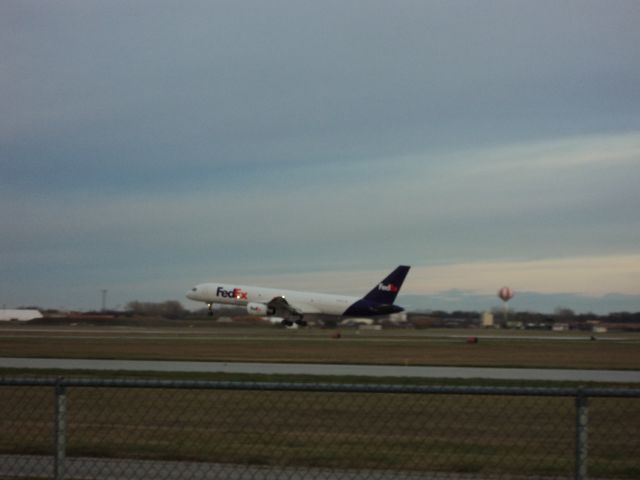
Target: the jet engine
pixel 259 309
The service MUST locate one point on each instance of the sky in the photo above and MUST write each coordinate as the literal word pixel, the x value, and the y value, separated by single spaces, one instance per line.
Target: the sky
pixel 146 146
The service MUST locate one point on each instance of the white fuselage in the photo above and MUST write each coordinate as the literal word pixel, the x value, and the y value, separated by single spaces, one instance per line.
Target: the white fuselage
pixel 242 295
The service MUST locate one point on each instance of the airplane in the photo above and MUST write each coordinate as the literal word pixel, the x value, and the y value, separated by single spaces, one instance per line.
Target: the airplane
pixel 289 303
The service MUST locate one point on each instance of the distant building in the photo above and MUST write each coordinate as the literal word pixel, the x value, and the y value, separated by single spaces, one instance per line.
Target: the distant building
pixel 357 321
pixel 487 320
pixel 370 327
pixel 560 327
pixel 515 325
pixel 18 315
pixel 400 317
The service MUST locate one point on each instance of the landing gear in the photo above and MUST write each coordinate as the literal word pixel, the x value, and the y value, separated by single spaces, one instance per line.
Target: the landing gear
pixel 297 322
pixel 210 309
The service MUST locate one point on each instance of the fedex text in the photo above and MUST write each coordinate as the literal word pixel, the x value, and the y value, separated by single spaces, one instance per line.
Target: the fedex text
pixel 387 288
pixel 235 293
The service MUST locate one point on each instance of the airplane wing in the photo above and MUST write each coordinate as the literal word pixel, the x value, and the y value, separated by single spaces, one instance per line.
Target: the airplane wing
pixel 281 308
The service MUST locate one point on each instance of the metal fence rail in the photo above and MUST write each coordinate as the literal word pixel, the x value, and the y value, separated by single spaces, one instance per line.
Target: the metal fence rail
pixel 75 428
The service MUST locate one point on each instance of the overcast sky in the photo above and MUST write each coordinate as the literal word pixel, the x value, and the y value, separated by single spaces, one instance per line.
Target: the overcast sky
pixel 146 146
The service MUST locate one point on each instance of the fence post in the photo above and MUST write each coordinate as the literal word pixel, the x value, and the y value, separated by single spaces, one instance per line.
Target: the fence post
pixel 582 419
pixel 60 430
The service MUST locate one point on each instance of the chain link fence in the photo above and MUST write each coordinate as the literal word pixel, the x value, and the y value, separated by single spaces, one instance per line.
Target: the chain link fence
pixel 127 429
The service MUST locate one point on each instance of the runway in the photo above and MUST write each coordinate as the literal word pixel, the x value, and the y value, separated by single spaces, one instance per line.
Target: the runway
pixel 617 376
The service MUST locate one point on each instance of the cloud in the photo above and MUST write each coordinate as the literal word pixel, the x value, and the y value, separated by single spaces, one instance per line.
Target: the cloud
pixel 425 206
pixel 588 276
pixel 525 301
pixel 147 140
pixel 558 155
pixel 592 276
pixel 94 87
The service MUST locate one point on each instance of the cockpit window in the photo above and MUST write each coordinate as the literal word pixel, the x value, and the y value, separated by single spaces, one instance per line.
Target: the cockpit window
pixel 194 289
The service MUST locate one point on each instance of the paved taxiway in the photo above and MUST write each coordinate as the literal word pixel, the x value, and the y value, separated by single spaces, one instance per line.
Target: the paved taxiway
pixel 124 469
pixel 623 376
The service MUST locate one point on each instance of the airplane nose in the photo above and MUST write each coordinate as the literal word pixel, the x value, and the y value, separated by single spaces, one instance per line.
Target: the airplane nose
pixel 192 294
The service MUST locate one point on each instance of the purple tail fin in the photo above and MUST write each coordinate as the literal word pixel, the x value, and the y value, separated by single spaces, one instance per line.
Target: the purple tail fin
pixel 386 291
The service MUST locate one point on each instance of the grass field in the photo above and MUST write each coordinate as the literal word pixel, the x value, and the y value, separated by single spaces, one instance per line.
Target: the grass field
pixel 491 435
pixel 471 434
pixel 404 347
